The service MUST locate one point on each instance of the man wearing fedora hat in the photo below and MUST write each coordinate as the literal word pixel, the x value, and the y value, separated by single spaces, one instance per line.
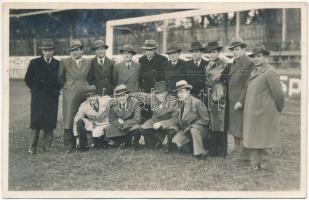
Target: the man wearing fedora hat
pixel 73 73
pixel 162 105
pixel 127 72
pixel 239 75
pixel 217 76
pixel 189 120
pixel 263 102
pixel 92 118
pixel 124 116
pixel 101 71
pixel 41 78
pixel 196 68
pixel 175 68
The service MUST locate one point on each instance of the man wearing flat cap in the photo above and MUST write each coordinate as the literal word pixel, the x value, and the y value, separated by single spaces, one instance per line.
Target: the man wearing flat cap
pixel 196 69
pixel 239 75
pixel 263 102
pixel 127 72
pixel 188 121
pixel 175 68
pixel 216 78
pixel 101 71
pixel 73 73
pixel 42 80
pixel 125 117
pixel 162 105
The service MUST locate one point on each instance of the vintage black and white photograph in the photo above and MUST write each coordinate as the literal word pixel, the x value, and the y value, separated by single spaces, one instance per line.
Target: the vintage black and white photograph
pixel 178 99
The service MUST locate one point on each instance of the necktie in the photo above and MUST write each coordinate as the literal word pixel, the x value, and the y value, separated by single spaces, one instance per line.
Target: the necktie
pixel 128 66
pixel 47 60
pixel 182 109
pixel 196 64
pixel 78 63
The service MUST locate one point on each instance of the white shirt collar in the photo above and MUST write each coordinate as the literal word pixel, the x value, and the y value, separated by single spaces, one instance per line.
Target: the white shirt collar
pixel 49 59
pixel 99 59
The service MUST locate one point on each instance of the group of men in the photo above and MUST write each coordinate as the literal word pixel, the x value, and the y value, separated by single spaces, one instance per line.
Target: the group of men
pixel 191 105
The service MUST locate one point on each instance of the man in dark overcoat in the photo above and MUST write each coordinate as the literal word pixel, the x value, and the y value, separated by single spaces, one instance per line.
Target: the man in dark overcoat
pixel 174 69
pixel 239 75
pixel 41 77
pixel 101 71
pixel 196 69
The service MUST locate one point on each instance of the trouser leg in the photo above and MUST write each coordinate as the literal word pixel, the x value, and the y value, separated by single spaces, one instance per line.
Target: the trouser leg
pixel 264 163
pixel 82 132
pixel 237 144
pixel 150 137
pixel 222 143
pixel 197 139
pixel 69 139
pixel 35 133
pixel 213 151
pixel 170 134
pixel 48 136
pixel 255 157
pixel 136 137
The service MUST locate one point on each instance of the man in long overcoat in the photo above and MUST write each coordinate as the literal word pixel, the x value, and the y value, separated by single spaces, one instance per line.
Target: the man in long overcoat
pixel 195 73
pixel 127 72
pixel 73 73
pixel 263 103
pixel 101 71
pixel 41 77
pixel 239 75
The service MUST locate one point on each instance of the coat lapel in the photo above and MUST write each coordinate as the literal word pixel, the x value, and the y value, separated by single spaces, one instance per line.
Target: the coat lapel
pixel 130 72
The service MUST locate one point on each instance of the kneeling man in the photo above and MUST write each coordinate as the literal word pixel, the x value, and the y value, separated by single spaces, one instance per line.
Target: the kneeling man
pixel 190 119
pixel 92 117
pixel 125 117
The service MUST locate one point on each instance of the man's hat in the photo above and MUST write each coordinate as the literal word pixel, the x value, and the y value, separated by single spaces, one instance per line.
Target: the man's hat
pixel 99 43
pixel 196 46
pixel 235 42
pixel 74 44
pixel 183 84
pixel 160 86
pixel 47 44
pixel 173 49
pixel 128 48
pixel 211 46
pixel 121 90
pixel 260 48
pixel 91 91
pixel 149 44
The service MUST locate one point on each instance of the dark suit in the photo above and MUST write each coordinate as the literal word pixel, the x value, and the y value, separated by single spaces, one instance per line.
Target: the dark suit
pixel 239 75
pixel 129 77
pixel 102 76
pixel 42 79
pixel 151 71
pixel 174 73
pixel 195 76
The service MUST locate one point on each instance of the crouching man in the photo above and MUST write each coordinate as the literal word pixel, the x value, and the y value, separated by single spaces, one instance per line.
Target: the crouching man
pixel 190 120
pixel 92 118
pixel 125 117
pixel 162 105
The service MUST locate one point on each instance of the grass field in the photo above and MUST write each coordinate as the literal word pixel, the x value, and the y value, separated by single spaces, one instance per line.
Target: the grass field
pixel 114 169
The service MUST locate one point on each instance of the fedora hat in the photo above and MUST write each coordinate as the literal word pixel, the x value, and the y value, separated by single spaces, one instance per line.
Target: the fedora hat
pixel 128 48
pixel 47 44
pixel 260 48
pixel 173 49
pixel 149 44
pixel 211 46
pixel 91 91
pixel 74 44
pixel 196 46
pixel 183 85
pixel 160 86
pixel 235 42
pixel 99 43
pixel 121 90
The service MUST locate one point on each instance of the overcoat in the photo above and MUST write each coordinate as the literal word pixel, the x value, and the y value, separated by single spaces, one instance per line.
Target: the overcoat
pixel 42 80
pixel 264 101
pixel 129 77
pixel 174 73
pixel 102 76
pixel 239 74
pixel 74 82
pixel 217 75
pixel 151 71
pixel 130 113
pixel 195 76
